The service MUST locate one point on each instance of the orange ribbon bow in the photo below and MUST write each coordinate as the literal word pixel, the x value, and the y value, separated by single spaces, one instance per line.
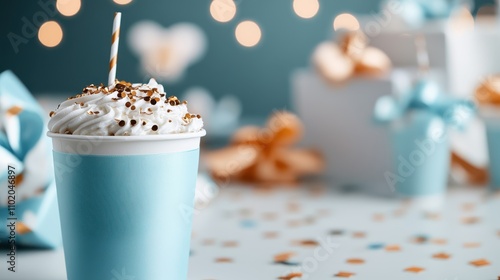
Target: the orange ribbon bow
pixel 266 155
pixel 488 92
pixel 352 56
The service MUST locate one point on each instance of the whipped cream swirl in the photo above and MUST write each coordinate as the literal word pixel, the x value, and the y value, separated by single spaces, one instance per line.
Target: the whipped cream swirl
pixel 124 109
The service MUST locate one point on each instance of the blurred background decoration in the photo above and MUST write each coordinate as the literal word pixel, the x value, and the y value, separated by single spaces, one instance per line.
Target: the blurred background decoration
pixel 25 147
pixel 67 36
pixel 165 53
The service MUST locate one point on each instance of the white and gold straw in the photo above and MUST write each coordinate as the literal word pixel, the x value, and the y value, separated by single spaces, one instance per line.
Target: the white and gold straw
pixel 115 39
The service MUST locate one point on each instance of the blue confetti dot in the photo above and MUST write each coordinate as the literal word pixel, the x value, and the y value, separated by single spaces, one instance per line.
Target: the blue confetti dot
pixel 248 223
pixel 375 246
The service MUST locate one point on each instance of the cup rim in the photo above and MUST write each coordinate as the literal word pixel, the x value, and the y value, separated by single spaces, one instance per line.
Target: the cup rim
pixel 157 137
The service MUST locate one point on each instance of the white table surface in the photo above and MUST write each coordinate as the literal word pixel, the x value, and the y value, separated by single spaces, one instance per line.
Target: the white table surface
pixel 247 228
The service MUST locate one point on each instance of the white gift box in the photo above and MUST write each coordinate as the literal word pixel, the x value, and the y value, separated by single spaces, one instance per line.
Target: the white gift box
pixel 463 53
pixel 339 122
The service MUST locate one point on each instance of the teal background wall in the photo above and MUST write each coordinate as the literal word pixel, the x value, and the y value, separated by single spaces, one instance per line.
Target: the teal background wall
pixel 259 76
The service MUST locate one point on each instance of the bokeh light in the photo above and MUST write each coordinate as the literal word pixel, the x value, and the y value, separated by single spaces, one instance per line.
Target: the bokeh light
pixel 248 33
pixel 122 2
pixel 68 7
pixel 50 34
pixel 306 8
pixel 223 10
pixel 346 21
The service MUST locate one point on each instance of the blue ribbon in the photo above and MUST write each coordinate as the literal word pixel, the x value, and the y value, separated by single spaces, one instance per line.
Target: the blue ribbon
pixel 425 96
pixel 24 146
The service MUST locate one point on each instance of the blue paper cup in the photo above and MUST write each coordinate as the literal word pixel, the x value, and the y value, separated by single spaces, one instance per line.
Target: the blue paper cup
pixel 125 204
pixel 422 157
pixel 493 136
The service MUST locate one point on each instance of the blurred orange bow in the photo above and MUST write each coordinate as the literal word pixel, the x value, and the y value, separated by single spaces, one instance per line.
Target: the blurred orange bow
pixel 266 155
pixel 352 56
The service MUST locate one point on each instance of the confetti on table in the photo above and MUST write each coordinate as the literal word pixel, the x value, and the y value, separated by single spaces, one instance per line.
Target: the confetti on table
pixel 375 246
pixel 439 241
pixel 306 243
pixel 480 262
pixel 208 242
pixel 248 223
pixel 378 217
pixel 442 256
pixel 470 220
pixel 344 274
pixel 269 216
pixel 230 244
pixel 283 257
pixel 355 261
pixel 468 206
pixel 270 234
pixel 336 232
pixel 414 269
pixel 293 207
pixel 392 248
pixel 358 234
pixel 420 239
pixel 291 276
pixel 294 223
pixel 432 216
pixel 223 260
pixel 472 244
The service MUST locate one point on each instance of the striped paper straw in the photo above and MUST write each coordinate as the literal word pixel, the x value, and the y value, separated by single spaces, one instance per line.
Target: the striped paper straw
pixel 115 39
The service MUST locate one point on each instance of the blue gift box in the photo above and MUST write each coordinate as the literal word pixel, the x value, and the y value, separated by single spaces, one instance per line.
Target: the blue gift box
pixel 419 120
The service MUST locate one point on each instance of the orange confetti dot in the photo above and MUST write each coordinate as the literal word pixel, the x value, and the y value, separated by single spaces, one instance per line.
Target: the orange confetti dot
pixel 442 256
pixel 392 248
pixel 414 269
pixel 283 257
pixel 355 261
pixel 439 241
pixel 291 276
pixel 472 244
pixel 230 244
pixel 359 234
pixel 480 262
pixel 223 260
pixel 344 274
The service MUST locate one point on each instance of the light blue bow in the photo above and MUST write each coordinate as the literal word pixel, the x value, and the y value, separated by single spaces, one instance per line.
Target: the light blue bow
pixel 425 96
pixel 24 147
pixel 416 12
